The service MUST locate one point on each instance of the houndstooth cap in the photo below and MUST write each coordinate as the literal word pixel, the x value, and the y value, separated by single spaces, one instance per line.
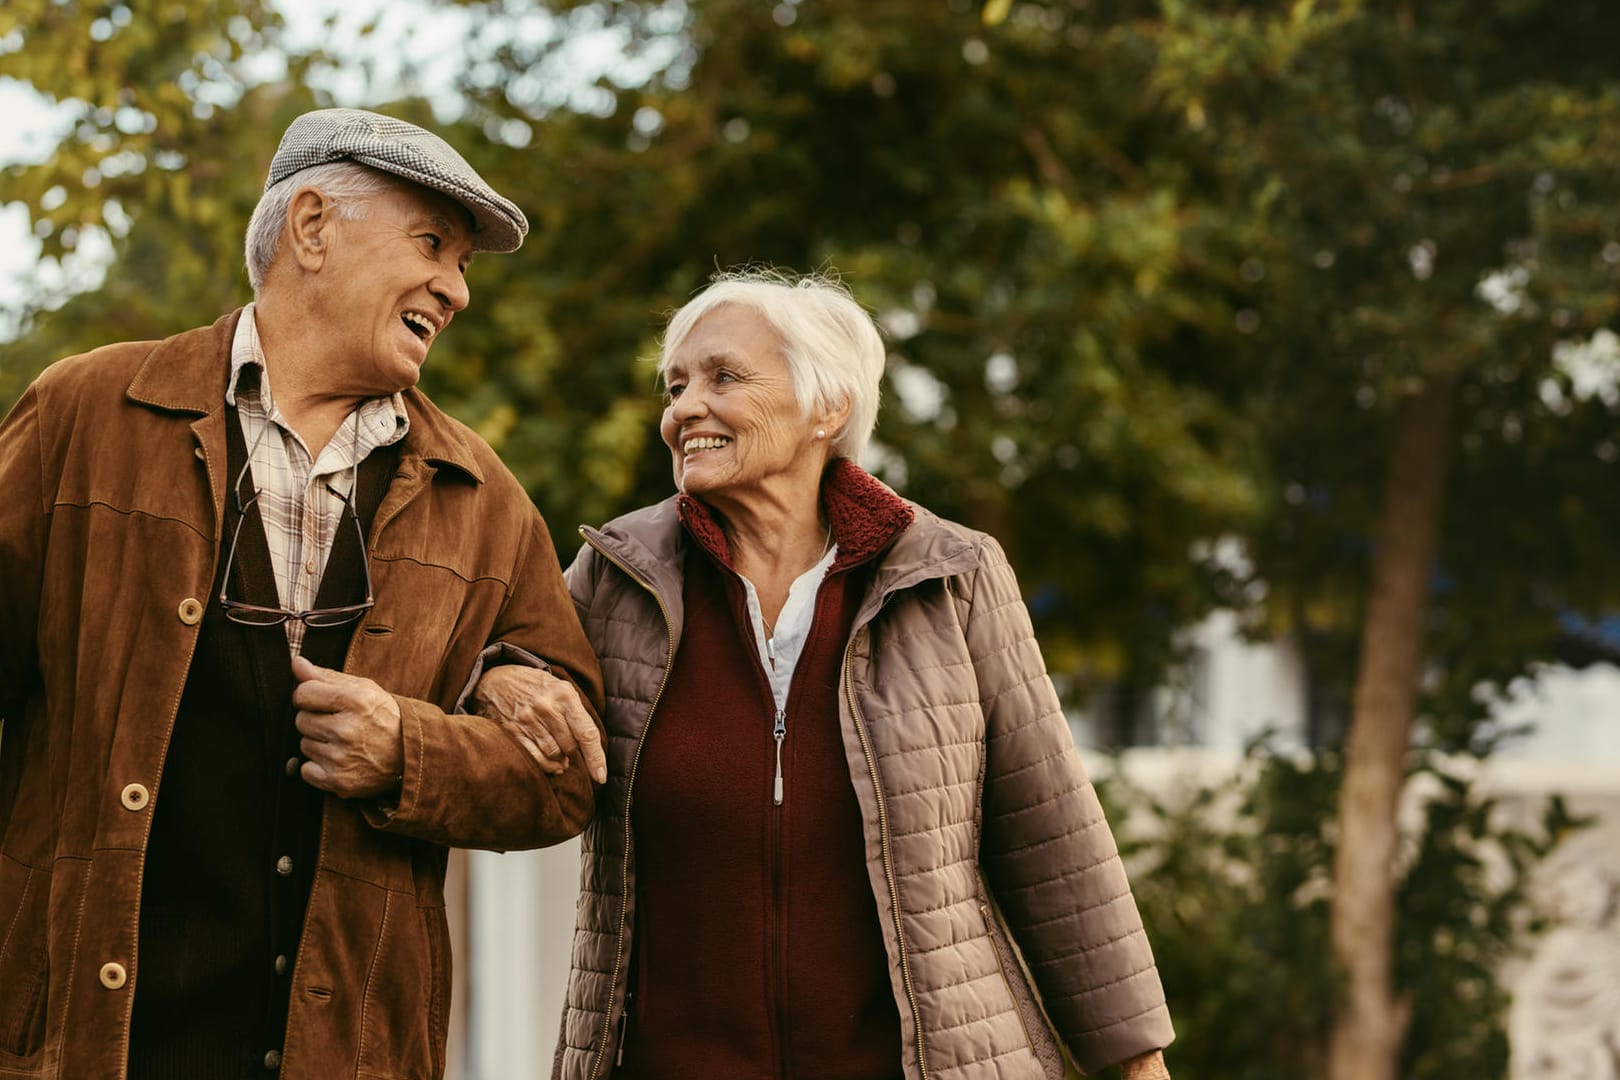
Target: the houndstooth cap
pixel 395 146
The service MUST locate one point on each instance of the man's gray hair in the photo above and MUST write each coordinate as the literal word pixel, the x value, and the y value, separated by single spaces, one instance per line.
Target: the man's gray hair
pixel 347 184
pixel 832 347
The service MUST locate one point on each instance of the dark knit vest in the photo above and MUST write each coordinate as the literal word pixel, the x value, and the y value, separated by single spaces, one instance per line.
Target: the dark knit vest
pixel 757 951
pixel 236 830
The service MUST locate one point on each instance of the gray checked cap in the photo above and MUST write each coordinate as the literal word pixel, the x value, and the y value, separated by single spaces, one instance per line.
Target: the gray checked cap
pixel 395 146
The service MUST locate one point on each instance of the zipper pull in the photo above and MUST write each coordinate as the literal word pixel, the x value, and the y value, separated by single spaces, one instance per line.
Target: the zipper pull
pixel 780 733
pixel 624 1025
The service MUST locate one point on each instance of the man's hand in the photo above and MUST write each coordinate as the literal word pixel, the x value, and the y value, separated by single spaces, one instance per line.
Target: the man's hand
pixel 351 734
pixel 544 713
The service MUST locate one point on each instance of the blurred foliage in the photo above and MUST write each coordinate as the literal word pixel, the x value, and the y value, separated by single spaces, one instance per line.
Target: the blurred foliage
pixel 1232 883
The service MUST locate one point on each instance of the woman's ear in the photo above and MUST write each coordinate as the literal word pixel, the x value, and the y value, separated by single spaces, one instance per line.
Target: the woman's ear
pixel 833 421
pixel 310 218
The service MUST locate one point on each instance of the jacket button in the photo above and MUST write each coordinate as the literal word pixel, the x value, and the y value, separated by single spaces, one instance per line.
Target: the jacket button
pixel 113 976
pixel 191 611
pixel 135 797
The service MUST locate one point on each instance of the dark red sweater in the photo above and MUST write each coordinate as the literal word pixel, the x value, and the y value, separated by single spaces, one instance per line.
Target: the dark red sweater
pixel 757 950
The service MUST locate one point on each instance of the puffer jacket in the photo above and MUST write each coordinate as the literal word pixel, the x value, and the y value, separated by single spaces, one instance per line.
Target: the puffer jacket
pixel 980 823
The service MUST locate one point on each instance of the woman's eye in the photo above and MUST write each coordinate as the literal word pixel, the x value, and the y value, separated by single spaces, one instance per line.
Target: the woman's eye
pixel 724 377
pixel 433 241
pixel 673 391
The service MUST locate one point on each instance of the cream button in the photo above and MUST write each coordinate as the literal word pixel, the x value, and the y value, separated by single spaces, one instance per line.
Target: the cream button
pixel 135 797
pixel 113 976
pixel 281 965
pixel 191 611
pixel 272 1059
pixel 284 865
pixel 309 566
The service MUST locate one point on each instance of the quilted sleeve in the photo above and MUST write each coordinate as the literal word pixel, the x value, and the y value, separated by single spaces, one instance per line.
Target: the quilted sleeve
pixel 1047 851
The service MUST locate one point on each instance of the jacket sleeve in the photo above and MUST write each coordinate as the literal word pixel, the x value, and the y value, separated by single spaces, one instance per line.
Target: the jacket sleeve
pixel 1047 851
pixel 24 524
pixel 468 780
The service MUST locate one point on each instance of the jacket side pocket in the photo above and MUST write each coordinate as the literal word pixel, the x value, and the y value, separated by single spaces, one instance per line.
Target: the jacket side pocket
pixel 1042 1042
pixel 24 901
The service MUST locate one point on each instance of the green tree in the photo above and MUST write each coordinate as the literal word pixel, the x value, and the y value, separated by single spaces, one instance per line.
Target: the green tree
pixel 1433 184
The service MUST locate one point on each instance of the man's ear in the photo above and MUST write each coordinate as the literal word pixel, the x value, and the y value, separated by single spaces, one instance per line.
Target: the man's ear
pixel 310 219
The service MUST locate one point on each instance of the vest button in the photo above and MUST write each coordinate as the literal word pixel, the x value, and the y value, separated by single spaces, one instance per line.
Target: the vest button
pixel 281 965
pixel 191 611
pixel 200 455
pixel 291 768
pixel 272 1059
pixel 135 797
pixel 284 865
pixel 113 976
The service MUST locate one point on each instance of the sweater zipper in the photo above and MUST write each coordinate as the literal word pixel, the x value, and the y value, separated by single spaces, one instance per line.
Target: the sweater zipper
pixel 629 784
pixel 779 732
pixel 888 857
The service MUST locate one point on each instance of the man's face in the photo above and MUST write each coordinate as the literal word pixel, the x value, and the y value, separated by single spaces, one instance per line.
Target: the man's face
pixel 389 286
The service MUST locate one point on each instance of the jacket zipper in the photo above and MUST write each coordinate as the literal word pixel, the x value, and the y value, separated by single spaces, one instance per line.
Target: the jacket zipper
pixel 995 943
pixel 779 732
pixel 888 858
pixel 629 784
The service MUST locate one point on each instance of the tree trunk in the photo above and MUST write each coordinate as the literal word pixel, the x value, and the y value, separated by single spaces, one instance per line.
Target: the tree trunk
pixel 1372 1019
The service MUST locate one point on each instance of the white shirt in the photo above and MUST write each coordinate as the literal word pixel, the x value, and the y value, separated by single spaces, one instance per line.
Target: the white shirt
pixel 780 652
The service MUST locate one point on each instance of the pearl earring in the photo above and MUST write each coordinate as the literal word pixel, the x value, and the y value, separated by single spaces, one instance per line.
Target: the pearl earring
pixel 821 433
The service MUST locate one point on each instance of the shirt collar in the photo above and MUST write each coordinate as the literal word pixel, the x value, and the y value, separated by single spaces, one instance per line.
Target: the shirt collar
pixel 389 423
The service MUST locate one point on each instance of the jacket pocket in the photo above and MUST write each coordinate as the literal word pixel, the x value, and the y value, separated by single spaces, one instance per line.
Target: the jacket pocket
pixel 24 901
pixel 1043 1044
pixel 407 996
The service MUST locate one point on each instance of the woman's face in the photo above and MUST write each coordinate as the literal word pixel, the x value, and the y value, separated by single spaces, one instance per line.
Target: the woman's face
pixel 732 425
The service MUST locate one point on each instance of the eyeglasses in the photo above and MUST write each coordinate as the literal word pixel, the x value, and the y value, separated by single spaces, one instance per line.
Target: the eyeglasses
pixel 315 618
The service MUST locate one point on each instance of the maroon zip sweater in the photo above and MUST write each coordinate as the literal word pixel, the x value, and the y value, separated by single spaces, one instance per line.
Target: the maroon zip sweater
pixel 757 950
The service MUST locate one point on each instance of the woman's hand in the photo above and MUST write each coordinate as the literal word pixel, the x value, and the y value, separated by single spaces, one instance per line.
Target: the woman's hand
pixel 1146 1067
pixel 544 713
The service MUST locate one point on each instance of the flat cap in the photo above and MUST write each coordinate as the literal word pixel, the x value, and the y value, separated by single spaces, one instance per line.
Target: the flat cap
pixel 395 146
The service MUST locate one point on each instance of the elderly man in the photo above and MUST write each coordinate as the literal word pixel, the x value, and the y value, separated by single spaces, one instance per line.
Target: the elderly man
pixel 248 573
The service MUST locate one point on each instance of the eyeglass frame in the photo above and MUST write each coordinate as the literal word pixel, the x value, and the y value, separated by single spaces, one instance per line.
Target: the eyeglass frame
pixel 349 612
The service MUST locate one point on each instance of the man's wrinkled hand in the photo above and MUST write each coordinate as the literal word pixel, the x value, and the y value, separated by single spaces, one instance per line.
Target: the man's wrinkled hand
pixel 545 714
pixel 351 733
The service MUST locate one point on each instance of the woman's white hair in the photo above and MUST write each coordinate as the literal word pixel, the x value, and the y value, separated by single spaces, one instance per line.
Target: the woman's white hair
pixel 346 183
pixel 833 351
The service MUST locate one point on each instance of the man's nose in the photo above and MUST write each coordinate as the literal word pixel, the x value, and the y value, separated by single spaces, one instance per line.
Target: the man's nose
pixel 451 290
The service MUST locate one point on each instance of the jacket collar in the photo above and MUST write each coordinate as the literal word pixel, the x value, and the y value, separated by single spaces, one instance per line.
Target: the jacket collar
pixel 866 514
pixel 187 373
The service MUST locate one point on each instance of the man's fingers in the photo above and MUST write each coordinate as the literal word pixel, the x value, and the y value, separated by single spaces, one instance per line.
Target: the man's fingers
pixel 322 695
pixel 317 725
pixel 304 670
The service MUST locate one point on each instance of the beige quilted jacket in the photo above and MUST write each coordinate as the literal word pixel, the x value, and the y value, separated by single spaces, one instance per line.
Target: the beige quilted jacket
pixel 973 797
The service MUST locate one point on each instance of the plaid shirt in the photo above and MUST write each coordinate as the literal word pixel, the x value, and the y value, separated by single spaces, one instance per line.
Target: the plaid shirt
pixel 301 497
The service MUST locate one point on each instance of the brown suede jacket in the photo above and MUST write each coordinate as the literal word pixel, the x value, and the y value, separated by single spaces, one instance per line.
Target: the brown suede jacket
pixel 1010 930
pixel 111 498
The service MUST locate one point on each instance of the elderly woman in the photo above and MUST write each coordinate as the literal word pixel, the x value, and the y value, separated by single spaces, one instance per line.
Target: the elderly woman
pixel 846 832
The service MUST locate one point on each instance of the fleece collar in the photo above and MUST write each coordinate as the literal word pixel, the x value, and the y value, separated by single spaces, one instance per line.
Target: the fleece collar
pixel 866 517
